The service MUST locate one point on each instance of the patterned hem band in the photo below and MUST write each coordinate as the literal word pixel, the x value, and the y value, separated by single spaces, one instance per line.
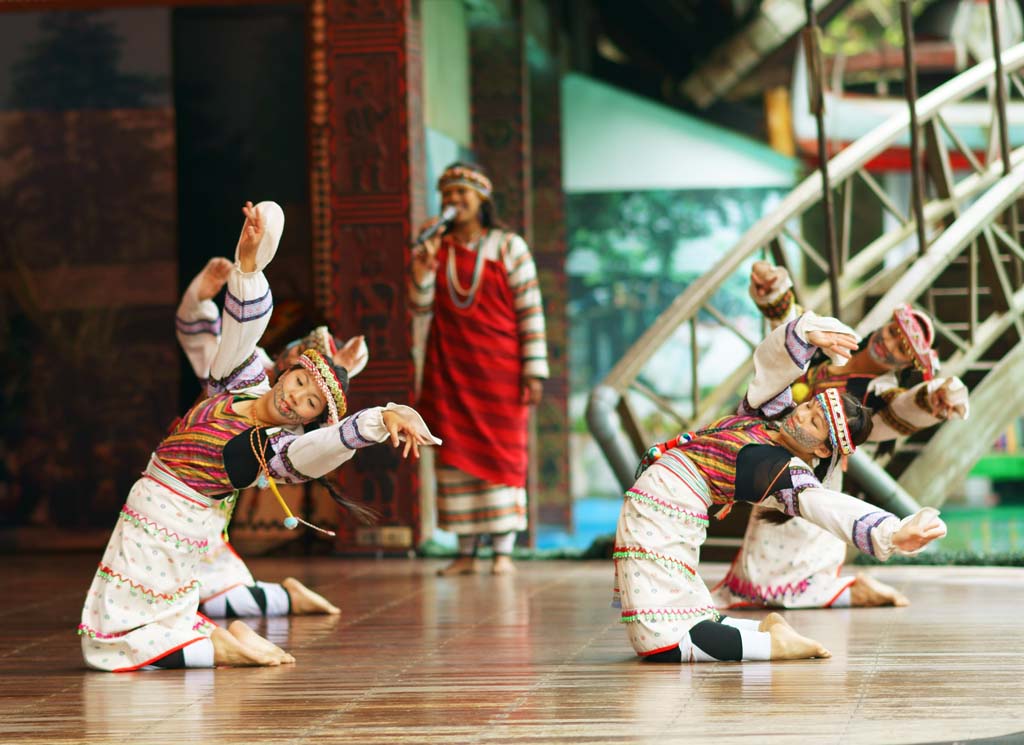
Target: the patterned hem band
pixel 638 552
pixel 666 614
pixel 112 575
pixel 778 309
pixel 156 530
pixel 668 509
pixel 746 589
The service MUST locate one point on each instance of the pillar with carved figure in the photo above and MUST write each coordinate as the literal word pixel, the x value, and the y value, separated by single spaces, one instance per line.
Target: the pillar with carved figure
pixel 367 173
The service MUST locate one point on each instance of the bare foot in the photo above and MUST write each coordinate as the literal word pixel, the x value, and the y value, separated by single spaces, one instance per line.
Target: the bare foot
pixel 868 592
pixel 461 565
pixel 772 619
pixel 503 565
pixel 246 636
pixel 228 650
pixel 306 602
pixel 789 645
pixel 213 277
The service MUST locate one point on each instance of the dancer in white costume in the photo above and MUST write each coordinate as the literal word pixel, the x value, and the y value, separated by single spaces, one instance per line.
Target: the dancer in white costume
pixel 229 589
pixel 765 454
pixel 142 607
pixel 795 564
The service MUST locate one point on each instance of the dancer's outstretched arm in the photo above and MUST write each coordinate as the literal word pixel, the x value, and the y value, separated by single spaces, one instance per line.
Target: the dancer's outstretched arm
pixel 871 530
pixel 197 320
pixel 908 410
pixel 298 458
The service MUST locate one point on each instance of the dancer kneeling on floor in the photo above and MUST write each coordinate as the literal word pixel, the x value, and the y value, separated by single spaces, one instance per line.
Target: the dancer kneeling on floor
pixel 142 607
pixel 228 588
pixel 765 454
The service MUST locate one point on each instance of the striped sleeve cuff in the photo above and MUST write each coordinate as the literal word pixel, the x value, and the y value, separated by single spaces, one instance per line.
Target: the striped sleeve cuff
pixel 351 436
pixel 248 310
pixel 800 351
pixel 201 326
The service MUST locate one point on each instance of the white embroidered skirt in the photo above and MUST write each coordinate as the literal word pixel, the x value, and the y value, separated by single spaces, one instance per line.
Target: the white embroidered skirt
pixel 220 568
pixel 793 565
pixel 143 600
pixel 661 527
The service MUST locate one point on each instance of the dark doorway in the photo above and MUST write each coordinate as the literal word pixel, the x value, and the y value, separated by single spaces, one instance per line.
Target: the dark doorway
pixel 240 112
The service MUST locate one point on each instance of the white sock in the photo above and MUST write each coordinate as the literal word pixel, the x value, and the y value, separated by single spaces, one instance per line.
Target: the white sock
pixel 467 544
pixel 843 601
pixel 503 543
pixel 743 624
pixel 215 607
pixel 278 601
pixel 757 645
pixel 199 654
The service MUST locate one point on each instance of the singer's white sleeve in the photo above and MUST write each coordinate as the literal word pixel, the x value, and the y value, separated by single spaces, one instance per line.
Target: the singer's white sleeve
pixel 529 306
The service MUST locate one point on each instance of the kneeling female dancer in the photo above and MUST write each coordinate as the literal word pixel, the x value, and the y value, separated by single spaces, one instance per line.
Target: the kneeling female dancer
pixel 141 609
pixel 765 454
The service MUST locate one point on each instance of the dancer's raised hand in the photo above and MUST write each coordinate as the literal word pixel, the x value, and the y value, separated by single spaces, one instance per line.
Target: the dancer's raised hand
pixel 949 401
pixel 213 277
pixel 252 234
pixel 352 355
pixel 764 278
pixel 835 343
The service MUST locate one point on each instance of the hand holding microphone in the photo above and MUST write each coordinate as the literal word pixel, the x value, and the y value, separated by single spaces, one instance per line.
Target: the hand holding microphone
pixel 428 241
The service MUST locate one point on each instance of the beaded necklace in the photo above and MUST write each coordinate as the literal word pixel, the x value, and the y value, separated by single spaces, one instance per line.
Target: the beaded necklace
pixel 463 298
pixel 257 443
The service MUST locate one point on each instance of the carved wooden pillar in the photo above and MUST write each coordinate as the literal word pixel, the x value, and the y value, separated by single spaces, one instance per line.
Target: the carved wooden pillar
pixel 499 90
pixel 501 112
pixel 367 175
pixel 552 492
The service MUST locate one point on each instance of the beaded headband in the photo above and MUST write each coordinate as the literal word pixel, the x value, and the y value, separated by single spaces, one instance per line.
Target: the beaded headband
pixel 916 337
pixel 462 176
pixel 327 381
pixel 838 429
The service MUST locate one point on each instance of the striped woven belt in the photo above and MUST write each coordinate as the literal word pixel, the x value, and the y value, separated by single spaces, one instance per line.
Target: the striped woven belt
pixel 159 472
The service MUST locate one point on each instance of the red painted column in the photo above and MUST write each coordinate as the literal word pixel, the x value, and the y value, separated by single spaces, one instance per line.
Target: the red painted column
pixel 367 176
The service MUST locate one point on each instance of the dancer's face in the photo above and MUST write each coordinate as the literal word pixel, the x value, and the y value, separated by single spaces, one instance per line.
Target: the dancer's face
pixel 296 399
pixel 886 349
pixel 464 199
pixel 805 431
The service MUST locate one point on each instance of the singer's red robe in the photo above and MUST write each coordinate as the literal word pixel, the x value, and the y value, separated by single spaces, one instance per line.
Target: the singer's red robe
pixel 472 378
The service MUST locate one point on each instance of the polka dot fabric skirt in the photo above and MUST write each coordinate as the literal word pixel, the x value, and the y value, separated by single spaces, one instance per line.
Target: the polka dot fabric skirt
pixel 661 527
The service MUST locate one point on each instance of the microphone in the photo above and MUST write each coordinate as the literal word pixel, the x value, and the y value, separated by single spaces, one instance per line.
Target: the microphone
pixel 447 218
